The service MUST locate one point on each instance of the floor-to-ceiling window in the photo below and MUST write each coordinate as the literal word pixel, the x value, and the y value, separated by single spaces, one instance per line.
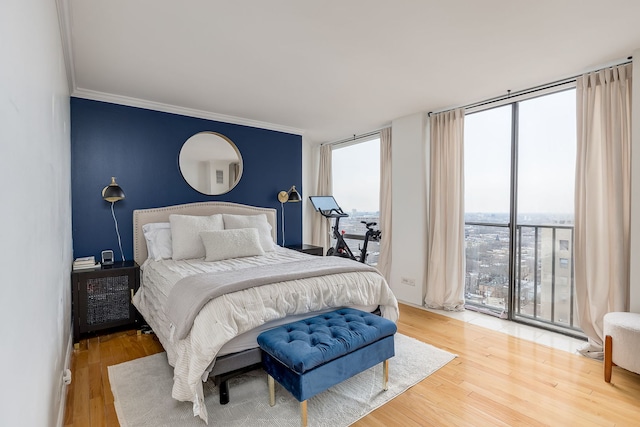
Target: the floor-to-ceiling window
pixel 519 196
pixel 487 170
pixel 356 188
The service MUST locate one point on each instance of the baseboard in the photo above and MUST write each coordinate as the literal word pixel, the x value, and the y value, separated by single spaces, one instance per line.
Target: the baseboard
pixel 411 304
pixel 63 388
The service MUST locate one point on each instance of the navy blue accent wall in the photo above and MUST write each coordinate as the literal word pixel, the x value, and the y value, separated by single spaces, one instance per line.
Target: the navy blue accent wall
pixel 141 147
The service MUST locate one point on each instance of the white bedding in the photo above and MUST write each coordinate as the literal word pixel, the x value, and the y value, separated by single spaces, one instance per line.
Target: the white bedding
pixel 224 325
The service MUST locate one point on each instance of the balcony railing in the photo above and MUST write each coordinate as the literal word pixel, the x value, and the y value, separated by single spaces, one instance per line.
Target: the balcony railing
pixel 544 291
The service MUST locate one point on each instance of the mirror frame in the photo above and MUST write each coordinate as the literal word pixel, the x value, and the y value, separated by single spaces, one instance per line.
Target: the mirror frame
pixel 217 139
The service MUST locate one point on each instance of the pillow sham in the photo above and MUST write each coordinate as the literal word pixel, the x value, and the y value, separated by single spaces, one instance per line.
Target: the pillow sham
pixel 232 222
pixel 185 234
pixel 226 244
pixel 158 237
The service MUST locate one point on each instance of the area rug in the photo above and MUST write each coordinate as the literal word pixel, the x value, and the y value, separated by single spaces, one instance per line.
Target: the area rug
pixel 142 393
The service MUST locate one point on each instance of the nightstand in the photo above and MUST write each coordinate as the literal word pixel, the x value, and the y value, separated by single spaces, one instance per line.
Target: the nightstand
pixel 101 298
pixel 307 249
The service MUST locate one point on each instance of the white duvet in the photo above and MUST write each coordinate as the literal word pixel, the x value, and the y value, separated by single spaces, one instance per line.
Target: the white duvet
pixel 228 316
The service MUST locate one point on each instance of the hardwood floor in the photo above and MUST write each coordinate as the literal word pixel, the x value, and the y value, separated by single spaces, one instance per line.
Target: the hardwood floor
pixel 89 397
pixel 496 380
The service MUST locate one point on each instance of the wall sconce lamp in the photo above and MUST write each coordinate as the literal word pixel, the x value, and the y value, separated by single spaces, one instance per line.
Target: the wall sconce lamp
pixel 113 193
pixel 288 196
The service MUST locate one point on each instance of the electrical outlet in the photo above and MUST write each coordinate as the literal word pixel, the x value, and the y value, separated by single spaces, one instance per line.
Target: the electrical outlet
pixel 66 377
pixel 407 281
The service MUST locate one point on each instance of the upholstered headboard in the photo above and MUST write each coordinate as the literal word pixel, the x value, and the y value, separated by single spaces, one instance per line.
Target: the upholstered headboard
pixel 145 216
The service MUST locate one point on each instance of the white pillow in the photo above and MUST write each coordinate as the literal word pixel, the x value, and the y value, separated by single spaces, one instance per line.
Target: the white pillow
pixel 185 234
pixel 260 222
pixel 227 244
pixel 158 237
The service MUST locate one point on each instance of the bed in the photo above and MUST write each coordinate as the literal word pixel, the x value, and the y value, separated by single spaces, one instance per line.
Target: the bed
pixel 216 339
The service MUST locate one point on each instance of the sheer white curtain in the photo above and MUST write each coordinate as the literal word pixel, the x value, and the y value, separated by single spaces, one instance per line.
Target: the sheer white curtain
pixel 321 226
pixel 602 199
pixel 445 258
pixel 384 260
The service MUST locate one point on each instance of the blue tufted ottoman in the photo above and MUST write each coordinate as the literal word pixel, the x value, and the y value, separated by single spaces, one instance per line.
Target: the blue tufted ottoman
pixel 311 355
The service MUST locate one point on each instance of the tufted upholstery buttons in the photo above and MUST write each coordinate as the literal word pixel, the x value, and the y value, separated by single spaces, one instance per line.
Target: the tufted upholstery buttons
pixel 309 356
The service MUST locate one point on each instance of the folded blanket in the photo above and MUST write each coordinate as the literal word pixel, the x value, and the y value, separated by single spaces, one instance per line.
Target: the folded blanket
pixel 190 294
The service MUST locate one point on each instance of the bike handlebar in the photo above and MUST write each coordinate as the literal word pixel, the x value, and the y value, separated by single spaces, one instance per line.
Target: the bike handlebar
pixel 369 224
pixel 333 213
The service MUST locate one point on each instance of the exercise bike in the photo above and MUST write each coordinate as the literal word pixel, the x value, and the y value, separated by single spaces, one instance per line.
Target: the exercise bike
pixel 328 207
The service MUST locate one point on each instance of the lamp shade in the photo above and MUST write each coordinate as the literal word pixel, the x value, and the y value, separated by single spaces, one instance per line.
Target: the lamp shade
pixel 293 194
pixel 112 192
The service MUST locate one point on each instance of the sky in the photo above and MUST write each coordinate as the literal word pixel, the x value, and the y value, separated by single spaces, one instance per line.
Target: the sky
pixel 546 156
pixel 356 176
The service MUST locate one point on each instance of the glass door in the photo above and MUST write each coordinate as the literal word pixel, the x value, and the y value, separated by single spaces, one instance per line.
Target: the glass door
pixel 487 169
pixel 544 290
pixel 519 197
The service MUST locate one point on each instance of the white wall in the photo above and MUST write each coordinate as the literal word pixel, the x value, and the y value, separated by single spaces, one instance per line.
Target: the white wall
pixel 36 251
pixel 409 168
pixel 635 188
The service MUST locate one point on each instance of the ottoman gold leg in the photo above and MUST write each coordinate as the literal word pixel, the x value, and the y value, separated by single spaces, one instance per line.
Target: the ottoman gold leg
pixel 385 375
pixel 272 390
pixel 303 413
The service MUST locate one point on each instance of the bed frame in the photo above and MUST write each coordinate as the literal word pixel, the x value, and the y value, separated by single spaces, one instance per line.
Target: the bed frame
pixel 230 365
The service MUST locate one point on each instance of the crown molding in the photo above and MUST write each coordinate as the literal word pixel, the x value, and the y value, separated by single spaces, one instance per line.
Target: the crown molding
pixel 183 111
pixel 64 18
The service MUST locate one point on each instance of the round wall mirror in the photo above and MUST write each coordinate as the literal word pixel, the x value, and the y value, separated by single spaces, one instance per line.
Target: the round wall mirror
pixel 210 163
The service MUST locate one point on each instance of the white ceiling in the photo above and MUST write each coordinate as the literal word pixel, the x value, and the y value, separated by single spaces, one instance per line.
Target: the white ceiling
pixel 331 69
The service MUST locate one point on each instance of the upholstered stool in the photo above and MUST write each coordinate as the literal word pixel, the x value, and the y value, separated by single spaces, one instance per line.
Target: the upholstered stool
pixel 311 355
pixel 621 342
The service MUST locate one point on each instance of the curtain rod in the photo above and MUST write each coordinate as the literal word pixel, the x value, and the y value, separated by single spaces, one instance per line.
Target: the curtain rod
pixel 534 89
pixel 356 137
